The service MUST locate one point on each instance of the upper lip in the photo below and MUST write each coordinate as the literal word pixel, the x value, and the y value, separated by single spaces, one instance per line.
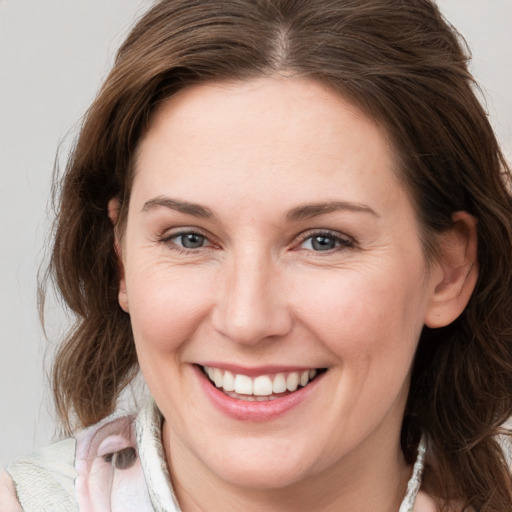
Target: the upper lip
pixel 254 371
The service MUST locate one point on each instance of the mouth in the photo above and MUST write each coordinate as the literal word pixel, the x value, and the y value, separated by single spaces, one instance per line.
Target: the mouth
pixel 260 388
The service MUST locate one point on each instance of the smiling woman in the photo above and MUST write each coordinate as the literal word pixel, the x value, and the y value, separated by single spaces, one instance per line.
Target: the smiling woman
pixel 305 250
pixel 296 223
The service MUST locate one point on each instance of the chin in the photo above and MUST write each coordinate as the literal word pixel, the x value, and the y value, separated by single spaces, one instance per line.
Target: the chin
pixel 274 466
pixel 260 476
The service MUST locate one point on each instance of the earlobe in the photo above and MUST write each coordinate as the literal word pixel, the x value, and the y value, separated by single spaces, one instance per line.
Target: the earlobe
pixel 114 205
pixel 122 295
pixel 457 272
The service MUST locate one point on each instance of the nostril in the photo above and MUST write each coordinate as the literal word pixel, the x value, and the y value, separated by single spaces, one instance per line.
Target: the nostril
pixel 249 311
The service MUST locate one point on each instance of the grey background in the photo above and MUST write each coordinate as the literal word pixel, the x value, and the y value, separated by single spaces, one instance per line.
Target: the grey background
pixel 53 57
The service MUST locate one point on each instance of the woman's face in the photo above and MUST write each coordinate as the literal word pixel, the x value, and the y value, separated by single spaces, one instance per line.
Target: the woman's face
pixel 270 243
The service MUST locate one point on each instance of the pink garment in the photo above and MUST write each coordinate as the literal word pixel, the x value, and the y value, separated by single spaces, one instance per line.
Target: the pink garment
pixel 107 481
pixel 121 466
pixel 115 466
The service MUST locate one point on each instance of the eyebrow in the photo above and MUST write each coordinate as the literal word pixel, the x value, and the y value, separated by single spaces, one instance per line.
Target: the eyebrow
pixel 303 212
pixel 181 206
pixel 314 210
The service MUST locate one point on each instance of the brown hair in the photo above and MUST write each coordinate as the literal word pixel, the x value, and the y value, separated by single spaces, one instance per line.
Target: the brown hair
pixel 401 63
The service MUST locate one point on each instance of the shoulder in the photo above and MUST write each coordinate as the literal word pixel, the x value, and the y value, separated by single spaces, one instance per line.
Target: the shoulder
pixel 8 501
pixel 45 478
pixel 101 463
pixel 52 477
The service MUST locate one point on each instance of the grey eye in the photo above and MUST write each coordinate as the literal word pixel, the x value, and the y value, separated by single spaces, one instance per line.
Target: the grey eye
pixel 190 240
pixel 321 243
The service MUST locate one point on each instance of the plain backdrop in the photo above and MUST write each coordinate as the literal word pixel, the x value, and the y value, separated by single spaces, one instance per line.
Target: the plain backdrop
pixel 54 55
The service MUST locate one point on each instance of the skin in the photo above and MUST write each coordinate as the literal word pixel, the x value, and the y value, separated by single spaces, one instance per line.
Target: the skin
pixel 257 293
pixel 8 501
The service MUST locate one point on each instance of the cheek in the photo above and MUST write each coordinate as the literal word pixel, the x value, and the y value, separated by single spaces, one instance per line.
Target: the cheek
pixel 371 326
pixel 166 305
pixel 366 315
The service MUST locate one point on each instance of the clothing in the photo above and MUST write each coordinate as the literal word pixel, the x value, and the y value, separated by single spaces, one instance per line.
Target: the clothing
pixel 116 466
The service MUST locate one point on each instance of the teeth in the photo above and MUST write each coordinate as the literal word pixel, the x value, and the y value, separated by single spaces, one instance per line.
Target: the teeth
pixel 243 385
pixel 279 384
pixel 292 381
pixel 218 378
pixel 229 382
pixel 260 388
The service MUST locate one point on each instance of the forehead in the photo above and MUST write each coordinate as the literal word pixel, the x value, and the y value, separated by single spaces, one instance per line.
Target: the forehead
pixel 239 137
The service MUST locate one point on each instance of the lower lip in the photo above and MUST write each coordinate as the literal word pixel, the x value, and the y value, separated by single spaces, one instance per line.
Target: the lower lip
pixel 254 411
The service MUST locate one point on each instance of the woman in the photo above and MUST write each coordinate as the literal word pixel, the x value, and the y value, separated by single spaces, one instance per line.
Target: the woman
pixel 294 218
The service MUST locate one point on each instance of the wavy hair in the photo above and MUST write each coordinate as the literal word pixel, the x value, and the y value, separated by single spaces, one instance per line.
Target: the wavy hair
pixel 407 69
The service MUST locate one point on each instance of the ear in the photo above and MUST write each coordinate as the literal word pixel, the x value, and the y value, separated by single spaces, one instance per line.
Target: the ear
pixel 457 271
pixel 114 205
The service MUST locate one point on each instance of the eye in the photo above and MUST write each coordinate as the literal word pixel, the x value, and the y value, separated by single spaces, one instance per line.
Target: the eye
pixel 322 242
pixel 188 240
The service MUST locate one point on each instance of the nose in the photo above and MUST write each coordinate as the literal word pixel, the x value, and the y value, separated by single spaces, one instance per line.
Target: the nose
pixel 252 304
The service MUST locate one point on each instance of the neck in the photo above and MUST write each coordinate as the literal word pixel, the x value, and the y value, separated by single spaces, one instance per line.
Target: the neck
pixel 372 478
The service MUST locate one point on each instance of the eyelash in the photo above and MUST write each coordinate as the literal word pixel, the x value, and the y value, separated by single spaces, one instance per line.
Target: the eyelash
pixel 168 240
pixel 343 242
